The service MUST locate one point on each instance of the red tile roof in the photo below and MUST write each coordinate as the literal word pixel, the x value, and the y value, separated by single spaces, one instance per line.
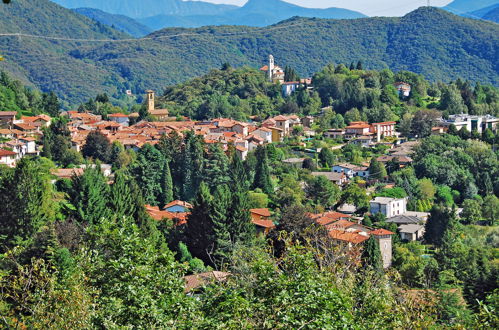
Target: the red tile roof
pixel 199 280
pixel 344 236
pixel 262 212
pixel 263 223
pixel 178 203
pixel 381 232
pixel 4 153
pixel 118 115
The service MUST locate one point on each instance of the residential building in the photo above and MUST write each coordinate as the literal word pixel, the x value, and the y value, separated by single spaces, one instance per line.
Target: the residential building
pixel 119 118
pixel 262 221
pixel 334 134
pixel 197 282
pixel 403 88
pixel 265 133
pixel 7 118
pixel 411 232
pixel 388 206
pixel 8 158
pixel 338 178
pixel 383 129
pixel 351 170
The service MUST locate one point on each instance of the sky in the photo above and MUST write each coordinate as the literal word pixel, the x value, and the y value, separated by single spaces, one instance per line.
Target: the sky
pixel 368 7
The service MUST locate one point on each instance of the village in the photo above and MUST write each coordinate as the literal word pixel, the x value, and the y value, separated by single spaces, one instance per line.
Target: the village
pixel 22 137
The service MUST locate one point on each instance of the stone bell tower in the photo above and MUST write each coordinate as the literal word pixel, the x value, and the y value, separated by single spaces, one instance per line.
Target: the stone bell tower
pixel 271 68
pixel 150 100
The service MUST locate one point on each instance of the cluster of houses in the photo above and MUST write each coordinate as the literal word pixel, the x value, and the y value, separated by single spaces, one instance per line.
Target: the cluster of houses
pixel 363 133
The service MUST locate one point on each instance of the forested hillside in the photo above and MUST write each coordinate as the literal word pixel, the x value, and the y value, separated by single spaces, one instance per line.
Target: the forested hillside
pixel 444 48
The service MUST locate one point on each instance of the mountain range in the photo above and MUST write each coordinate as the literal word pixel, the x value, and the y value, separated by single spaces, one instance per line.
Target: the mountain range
pixel 430 41
pixel 120 22
pixel 158 14
pixel 462 7
pixel 490 13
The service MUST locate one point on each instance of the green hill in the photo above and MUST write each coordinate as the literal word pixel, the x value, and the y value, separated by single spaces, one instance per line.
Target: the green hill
pixel 429 41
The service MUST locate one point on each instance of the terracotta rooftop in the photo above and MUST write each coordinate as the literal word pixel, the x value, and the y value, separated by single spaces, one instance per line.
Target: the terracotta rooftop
pixel 196 281
pixel 264 212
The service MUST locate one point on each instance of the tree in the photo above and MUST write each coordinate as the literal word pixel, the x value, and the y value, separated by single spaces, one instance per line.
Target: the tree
pixel 359 65
pixel 26 199
pixel 472 211
pixel 439 221
pixel 166 195
pixel 199 232
pixel 147 171
pixel 405 126
pixel 377 170
pixel 139 282
pixel 121 199
pixel 326 157
pixel 322 191
pixel 216 167
pixel 490 209
pixel 89 195
pixel 452 130
pixel 97 147
pixel 371 255
pixel 424 121
pixel 263 179
pixel 355 195
pixel 50 104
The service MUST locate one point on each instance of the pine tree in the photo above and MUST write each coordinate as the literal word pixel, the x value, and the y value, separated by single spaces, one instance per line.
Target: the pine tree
pixel 438 223
pixel 221 227
pixel 241 229
pixel 371 255
pixel 121 200
pixel 89 195
pixel 147 173
pixel 360 66
pixel 192 165
pixel 199 231
pixel 166 195
pixel 262 174
pixel 238 173
pixel 216 167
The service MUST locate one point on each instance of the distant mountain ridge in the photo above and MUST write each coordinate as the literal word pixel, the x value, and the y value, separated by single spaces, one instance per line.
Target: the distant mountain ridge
pixel 429 41
pixel 490 13
pixel 461 7
pixel 177 13
pixel 119 22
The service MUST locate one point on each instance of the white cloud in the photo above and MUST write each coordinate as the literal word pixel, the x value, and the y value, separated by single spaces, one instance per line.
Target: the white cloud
pixel 368 7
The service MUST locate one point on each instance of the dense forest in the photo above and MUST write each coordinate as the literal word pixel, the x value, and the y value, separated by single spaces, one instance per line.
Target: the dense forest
pixel 445 48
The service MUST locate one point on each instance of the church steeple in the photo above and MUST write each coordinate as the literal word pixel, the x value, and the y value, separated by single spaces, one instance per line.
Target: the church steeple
pixel 271 68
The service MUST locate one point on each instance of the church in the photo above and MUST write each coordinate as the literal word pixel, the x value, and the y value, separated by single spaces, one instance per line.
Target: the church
pixel 274 72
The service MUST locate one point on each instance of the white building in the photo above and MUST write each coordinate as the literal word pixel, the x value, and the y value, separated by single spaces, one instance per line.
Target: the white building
pixel 390 207
pixel 119 118
pixel 8 157
pixel 479 123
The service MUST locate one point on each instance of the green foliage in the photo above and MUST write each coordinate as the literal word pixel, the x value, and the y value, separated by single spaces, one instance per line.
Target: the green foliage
pixel 371 255
pixel 147 171
pixel 89 195
pixel 166 195
pixel 438 223
pixel 26 199
pixel 97 147
pixel 396 192
pixel 121 195
pixel 322 191
pixel 355 195
pixel 118 254
pixel 377 170
pixel 262 173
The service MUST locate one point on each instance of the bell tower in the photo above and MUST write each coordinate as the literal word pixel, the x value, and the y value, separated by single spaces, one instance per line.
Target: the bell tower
pixel 150 100
pixel 271 68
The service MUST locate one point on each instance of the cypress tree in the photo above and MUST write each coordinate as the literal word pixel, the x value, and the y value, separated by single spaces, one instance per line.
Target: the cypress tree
pixel 121 200
pixel 199 231
pixel 262 173
pixel 371 255
pixel 360 66
pixel 192 164
pixel 221 227
pixel 147 173
pixel 238 217
pixel 166 195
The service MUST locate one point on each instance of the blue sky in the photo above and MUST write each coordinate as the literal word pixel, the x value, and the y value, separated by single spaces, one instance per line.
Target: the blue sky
pixel 368 7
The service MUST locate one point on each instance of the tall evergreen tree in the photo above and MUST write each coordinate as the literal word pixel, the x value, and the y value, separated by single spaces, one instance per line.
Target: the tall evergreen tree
pixel 89 195
pixel 26 199
pixel 121 200
pixel 371 255
pixel 238 217
pixel 216 167
pixel 97 147
pixel 438 223
pixel 262 174
pixel 166 195
pixel 171 147
pixel 199 231
pixel 221 226
pixel 147 173
pixel 360 66
pixel 192 164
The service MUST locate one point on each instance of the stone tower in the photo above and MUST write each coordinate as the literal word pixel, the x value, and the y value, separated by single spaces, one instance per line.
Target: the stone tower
pixel 384 238
pixel 150 100
pixel 271 68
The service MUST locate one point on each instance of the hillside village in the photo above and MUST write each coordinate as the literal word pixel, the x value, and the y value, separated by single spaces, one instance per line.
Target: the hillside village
pixel 373 192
